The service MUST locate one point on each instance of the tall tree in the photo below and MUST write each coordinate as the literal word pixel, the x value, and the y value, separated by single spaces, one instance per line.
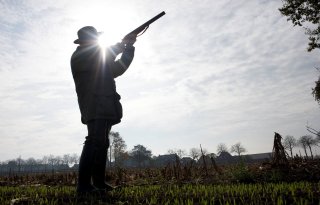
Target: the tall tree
pixel 238 148
pixel 140 154
pixel 222 148
pixel 289 143
pixel 305 13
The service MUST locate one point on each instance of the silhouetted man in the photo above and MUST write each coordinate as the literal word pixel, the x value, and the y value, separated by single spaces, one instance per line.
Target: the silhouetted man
pixel 94 69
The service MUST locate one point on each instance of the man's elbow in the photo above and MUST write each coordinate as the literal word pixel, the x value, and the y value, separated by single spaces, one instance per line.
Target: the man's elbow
pixel 121 69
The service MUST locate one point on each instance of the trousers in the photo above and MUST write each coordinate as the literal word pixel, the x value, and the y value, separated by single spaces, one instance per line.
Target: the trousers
pixel 93 158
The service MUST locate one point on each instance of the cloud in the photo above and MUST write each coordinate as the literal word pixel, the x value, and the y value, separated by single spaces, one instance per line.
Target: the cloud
pixel 204 73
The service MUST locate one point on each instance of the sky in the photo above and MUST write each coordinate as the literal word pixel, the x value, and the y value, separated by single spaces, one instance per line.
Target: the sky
pixel 207 72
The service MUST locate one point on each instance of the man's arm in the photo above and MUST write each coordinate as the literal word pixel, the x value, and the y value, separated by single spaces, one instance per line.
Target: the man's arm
pixel 120 66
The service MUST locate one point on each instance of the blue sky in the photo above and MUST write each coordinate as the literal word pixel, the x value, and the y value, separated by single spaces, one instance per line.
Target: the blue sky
pixel 208 72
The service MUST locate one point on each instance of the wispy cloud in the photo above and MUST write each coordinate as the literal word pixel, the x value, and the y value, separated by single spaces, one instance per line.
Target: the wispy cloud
pixel 206 73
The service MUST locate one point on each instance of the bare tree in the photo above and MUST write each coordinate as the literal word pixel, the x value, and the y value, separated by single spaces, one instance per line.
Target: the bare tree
pixel 45 162
pixel 195 153
pixel 31 163
pixel 66 159
pixel 314 131
pixel 222 148
pixel 19 162
pixel 75 158
pixel 58 160
pixel 237 148
pixel 171 151
pixel 179 152
pixel 289 143
pixel 307 141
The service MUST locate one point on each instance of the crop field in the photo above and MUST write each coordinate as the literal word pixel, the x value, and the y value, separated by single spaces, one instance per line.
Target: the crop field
pixel 270 193
pixel 297 183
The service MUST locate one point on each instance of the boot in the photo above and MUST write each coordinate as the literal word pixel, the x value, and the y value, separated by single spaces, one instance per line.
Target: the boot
pixel 99 170
pixel 85 170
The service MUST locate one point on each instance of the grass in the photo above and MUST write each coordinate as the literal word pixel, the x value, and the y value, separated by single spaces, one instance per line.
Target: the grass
pixel 268 193
pixel 297 183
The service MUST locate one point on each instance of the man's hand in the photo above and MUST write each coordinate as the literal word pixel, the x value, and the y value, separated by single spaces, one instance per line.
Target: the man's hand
pixel 129 40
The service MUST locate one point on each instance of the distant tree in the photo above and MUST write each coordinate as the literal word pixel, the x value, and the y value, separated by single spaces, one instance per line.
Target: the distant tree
pixel 195 153
pixel 45 161
pixel 238 148
pixel 20 162
pixel 75 158
pixel 31 163
pixel 66 159
pixel 171 151
pixel 307 141
pixel 222 148
pixel 140 154
pixel 119 148
pixel 12 164
pixel 305 13
pixel 302 143
pixel 212 155
pixel 58 160
pixel 179 152
pixel 289 143
pixel 51 160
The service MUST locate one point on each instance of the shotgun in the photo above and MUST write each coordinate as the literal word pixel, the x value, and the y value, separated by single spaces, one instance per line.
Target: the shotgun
pixel 141 29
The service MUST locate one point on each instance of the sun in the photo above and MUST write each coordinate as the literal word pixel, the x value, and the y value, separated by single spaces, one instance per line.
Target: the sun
pixel 106 19
pixel 105 41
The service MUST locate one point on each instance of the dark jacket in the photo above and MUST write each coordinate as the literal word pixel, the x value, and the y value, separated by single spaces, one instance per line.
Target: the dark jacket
pixel 94 70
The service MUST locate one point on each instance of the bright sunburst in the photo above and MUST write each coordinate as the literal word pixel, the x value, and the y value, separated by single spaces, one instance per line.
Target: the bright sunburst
pixel 105 40
pixel 105 18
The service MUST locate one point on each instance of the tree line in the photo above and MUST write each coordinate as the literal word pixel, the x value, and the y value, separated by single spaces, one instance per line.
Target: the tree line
pixel 140 155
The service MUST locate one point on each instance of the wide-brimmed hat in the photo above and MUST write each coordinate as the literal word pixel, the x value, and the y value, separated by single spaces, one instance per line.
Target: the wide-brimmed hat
pixel 87 34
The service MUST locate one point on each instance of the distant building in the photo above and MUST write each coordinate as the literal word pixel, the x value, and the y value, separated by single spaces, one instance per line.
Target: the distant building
pixel 163 160
pixel 227 158
pixel 223 158
pixel 261 157
pixel 186 160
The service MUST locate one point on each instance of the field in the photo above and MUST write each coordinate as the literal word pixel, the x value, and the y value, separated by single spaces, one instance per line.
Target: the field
pixel 297 183
pixel 270 193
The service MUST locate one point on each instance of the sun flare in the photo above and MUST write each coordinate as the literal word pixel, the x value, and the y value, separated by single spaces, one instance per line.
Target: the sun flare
pixel 113 20
pixel 105 41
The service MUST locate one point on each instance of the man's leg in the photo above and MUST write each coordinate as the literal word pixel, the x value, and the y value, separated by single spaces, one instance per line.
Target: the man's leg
pixel 98 174
pixel 92 152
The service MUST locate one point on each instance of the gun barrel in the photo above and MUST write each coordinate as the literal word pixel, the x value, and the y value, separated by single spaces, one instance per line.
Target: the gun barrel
pixel 146 24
